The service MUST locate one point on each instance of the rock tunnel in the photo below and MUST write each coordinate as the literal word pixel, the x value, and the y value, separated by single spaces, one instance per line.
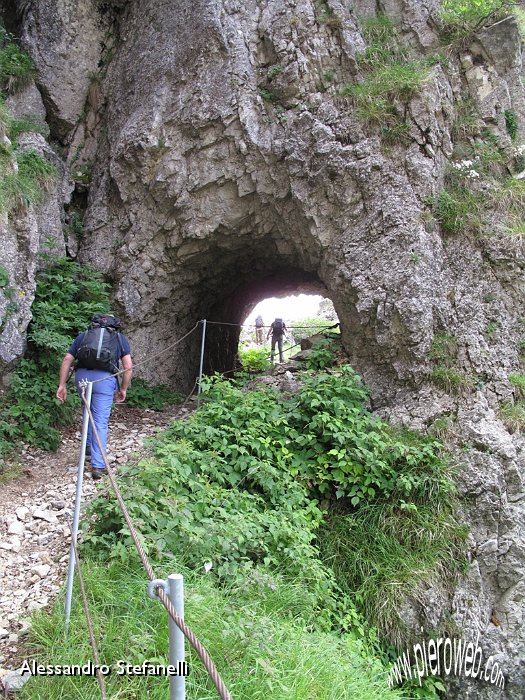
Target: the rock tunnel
pixel 221 289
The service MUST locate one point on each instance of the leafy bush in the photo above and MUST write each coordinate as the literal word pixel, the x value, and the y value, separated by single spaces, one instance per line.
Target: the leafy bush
pixel 156 397
pixel 239 484
pixel 321 355
pixel 346 450
pixel 254 359
pixel 217 489
pixel 67 295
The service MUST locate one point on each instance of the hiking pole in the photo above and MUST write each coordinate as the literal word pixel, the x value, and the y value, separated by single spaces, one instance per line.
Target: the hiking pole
pixel 87 388
pixel 202 359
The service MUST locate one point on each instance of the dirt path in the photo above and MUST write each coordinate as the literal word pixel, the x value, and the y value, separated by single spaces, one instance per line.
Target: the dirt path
pixel 35 509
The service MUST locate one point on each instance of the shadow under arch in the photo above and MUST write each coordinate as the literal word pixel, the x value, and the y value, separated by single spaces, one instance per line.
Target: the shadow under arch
pixel 222 340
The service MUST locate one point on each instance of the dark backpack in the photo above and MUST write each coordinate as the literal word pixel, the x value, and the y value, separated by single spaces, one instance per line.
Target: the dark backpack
pixel 100 344
pixel 278 326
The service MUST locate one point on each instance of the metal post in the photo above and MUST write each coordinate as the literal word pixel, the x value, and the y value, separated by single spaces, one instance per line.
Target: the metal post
pixel 176 637
pixel 202 358
pixel 78 498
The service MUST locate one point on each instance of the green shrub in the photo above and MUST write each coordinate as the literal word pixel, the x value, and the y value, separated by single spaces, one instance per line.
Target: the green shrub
pixel 321 355
pixel 156 397
pixel 67 295
pixel 268 95
pixel 217 489
pixel 254 359
pixel 240 482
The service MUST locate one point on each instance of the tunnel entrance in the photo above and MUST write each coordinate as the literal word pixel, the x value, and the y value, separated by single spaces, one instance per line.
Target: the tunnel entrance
pixel 303 315
pixel 228 318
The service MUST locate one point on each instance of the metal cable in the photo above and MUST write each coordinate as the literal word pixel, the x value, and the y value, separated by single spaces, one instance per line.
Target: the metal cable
pixel 252 325
pixel 269 357
pixel 151 357
pixel 199 648
pixel 88 619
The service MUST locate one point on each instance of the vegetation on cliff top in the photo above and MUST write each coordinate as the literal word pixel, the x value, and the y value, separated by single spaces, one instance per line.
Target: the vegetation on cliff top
pixel 25 175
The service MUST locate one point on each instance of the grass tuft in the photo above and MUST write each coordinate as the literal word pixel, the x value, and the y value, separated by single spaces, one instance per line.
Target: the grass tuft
pixel 387 553
pixel 512 414
pixel 262 646
pixel 16 67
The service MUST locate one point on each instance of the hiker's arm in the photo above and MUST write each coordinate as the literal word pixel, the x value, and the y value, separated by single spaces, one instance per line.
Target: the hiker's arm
pixel 127 364
pixel 63 376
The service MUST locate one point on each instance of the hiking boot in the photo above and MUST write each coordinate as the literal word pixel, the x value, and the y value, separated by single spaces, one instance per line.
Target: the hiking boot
pixel 98 473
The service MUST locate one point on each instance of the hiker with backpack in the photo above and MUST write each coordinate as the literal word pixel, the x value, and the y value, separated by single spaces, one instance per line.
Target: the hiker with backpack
pixel 277 331
pixel 98 352
pixel 259 325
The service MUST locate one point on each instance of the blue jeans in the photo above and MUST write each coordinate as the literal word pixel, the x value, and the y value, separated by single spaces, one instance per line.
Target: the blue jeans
pixel 101 405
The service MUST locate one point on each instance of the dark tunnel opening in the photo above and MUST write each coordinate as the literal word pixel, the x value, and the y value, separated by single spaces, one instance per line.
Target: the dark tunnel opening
pixel 222 341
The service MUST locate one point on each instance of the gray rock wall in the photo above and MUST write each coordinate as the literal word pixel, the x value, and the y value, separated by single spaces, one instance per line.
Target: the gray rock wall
pixel 226 167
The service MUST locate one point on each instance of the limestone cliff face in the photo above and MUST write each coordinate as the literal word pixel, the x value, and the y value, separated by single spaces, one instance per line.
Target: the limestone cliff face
pixel 225 167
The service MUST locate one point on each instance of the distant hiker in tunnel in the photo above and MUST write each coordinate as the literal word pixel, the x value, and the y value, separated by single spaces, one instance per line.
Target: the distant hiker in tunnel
pixel 98 352
pixel 259 323
pixel 277 331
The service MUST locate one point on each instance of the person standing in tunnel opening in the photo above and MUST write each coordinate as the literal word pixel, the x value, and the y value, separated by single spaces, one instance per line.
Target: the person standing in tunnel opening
pixel 277 331
pixel 259 323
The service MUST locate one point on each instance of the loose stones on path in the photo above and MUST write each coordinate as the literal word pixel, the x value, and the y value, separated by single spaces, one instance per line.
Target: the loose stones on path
pixel 34 530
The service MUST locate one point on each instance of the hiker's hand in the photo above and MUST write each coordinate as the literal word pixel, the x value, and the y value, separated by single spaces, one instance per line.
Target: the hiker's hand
pixel 61 393
pixel 120 396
